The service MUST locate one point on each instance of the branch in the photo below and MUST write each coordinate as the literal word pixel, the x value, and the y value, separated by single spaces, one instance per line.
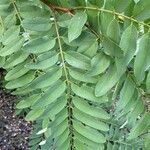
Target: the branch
pixel 57 8
pixel 71 11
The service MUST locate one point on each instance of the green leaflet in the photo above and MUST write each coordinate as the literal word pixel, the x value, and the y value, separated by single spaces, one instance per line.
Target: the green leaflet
pixel 16 72
pixel 10 35
pixel 77 60
pixel 4 2
pixel 2 61
pixel 111 41
pixel 129 106
pixel 93 17
pixel 148 82
pixel 65 145
pixel 76 25
pixel 37 24
pixel 23 90
pixel 142 62
pixel 88 47
pixel 142 126
pixel 4 9
pixel 84 106
pixel 126 93
pixel 54 92
pixel 80 146
pixel 88 132
pixel 107 81
pixel 88 93
pixel 99 64
pixel 34 114
pixel 113 31
pixel 81 76
pixel 128 45
pixel 58 130
pixel 105 18
pixel 62 138
pixel 147 143
pixel 10 20
pixel 27 102
pixel 121 5
pixel 60 117
pixel 142 10
pixel 44 61
pixel 13 46
pixel 92 144
pixel 39 45
pixel 139 108
pixel 56 107
pixel 32 11
pixel 22 81
pixel 90 121
pixel 15 59
pixel 111 48
pixel 46 79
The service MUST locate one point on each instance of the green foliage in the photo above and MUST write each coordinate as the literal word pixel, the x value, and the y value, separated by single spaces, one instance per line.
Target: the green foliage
pixel 81 73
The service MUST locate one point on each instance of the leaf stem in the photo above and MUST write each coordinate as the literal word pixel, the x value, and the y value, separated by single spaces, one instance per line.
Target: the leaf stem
pixel 114 13
pixel 16 10
pixel 69 101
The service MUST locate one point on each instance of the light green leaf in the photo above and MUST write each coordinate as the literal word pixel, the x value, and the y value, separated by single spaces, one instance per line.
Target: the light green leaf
pixel 54 92
pixel 60 117
pixel 22 81
pixel 99 64
pixel 92 144
pixel 136 111
pixel 10 35
pixel 37 24
pixel 88 93
pixel 44 61
pixel 56 107
pixel 142 126
pixel 105 19
pixel 76 25
pixel 111 48
pixel 27 102
pixel 88 132
pixel 15 59
pixel 91 110
pixel 58 130
pixel 113 31
pixel 13 46
pixel 142 10
pixel 107 81
pixel 81 76
pixel 32 11
pixel 90 120
pixel 142 62
pixel 39 45
pixel 34 114
pixel 16 72
pixel 10 20
pixel 2 61
pixel 46 79
pixel 93 16
pixel 62 138
pixel 77 60
pixel 80 146
pixel 128 45
pixel 126 93
pixel 89 48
